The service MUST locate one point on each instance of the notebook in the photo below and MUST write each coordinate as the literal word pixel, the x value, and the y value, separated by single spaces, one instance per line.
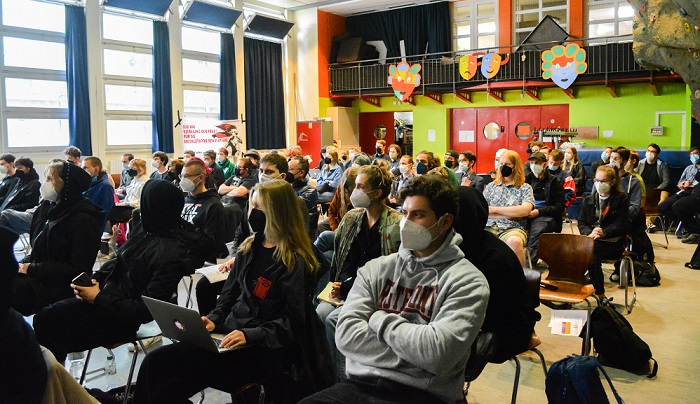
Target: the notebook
pixel 324 296
pixel 184 325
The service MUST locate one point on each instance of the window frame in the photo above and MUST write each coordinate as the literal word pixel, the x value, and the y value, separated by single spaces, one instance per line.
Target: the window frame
pixel 196 85
pixel 473 19
pixel 541 13
pixel 114 79
pixel 15 72
pixel 616 20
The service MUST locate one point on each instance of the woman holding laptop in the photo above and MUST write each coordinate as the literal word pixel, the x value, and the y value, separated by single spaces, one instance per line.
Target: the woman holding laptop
pixel 261 309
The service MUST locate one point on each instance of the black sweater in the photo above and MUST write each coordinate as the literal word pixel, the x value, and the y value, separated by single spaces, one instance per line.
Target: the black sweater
pixel 208 216
pixel 555 196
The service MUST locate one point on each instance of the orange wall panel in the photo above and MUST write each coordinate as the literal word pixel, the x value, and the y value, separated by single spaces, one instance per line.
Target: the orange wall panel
pixel 329 25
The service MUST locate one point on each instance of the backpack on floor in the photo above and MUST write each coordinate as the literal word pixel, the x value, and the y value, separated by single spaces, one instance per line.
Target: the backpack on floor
pixel 575 380
pixel 646 274
pixel 617 345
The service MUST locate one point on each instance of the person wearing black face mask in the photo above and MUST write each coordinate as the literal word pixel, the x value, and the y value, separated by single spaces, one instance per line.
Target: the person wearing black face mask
pixel 322 162
pixel 297 175
pixel 379 148
pixel 510 201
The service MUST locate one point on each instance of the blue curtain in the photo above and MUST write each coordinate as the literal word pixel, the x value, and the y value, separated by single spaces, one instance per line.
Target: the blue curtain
pixel 264 95
pixel 77 80
pixel 417 26
pixel 162 90
pixel 229 92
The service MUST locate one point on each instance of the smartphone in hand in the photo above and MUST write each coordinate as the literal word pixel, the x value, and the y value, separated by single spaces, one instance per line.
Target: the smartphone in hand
pixel 82 280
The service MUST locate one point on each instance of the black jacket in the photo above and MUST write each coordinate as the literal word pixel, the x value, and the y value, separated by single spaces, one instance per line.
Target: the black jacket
pixel 147 265
pixel 510 313
pixel 25 194
pixel 615 220
pixel 6 185
pixel 65 239
pixel 23 377
pixel 217 175
pixel 208 216
pixel 274 322
pixel 554 193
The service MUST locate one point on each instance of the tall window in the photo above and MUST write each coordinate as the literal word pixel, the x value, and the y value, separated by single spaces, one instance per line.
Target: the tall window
pixel 34 94
pixel 128 70
pixel 609 18
pixel 201 54
pixel 474 24
pixel 529 13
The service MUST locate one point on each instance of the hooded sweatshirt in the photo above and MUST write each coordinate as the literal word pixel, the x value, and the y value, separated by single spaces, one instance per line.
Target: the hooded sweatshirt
pixel 206 212
pixel 510 313
pixel 413 320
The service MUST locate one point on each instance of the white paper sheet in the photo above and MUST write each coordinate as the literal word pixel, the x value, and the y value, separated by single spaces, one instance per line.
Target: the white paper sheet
pixel 568 322
pixel 466 136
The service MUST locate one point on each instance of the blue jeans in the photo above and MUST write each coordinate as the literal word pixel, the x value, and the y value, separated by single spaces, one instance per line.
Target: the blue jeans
pixel 16 221
pixel 329 316
pixel 325 242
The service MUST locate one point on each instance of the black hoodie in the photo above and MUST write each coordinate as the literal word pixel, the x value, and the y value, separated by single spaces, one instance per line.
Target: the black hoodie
pixel 65 239
pixel 208 216
pixel 159 252
pixel 510 313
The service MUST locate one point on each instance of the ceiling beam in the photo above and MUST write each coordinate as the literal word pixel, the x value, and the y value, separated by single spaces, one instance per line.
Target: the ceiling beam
pixel 437 97
pixel 464 95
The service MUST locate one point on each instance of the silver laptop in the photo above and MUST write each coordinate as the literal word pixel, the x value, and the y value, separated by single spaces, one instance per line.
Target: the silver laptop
pixel 185 325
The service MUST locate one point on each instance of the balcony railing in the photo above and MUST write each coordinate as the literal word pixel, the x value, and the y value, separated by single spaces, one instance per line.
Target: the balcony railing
pixel 612 59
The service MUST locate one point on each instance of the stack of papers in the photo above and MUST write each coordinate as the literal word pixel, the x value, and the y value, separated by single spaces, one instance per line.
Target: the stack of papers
pixel 212 273
pixel 568 322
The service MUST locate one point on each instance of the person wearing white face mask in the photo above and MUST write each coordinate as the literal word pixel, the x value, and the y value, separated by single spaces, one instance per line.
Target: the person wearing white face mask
pixel 549 203
pixel 629 184
pixel 160 164
pixel 686 184
pixel 125 178
pixel 7 167
pixel 604 217
pixel 203 208
pixel 655 174
pixel 410 317
pixel 65 237
pixel 226 165
pixel 467 162
pixel 604 160
pixel 406 174
pixel 366 232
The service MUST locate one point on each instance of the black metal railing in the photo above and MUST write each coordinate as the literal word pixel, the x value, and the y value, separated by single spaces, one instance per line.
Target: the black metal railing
pixel 440 71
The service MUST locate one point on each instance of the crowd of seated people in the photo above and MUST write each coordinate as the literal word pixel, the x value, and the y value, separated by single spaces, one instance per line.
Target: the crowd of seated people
pixel 405 242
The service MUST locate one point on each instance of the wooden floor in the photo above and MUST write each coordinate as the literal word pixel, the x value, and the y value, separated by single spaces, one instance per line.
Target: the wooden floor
pixel 664 317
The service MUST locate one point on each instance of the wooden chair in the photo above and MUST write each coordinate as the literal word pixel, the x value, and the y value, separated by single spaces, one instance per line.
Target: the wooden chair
pixel 651 210
pixel 568 257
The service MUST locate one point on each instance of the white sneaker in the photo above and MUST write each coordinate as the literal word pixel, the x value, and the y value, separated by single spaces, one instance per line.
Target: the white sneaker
pixel 148 342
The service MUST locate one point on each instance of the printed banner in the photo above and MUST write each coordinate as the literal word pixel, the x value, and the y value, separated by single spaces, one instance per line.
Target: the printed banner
pixel 201 135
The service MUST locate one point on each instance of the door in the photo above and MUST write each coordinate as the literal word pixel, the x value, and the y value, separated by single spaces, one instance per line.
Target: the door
pixel 490 136
pixel 522 122
pixel 463 132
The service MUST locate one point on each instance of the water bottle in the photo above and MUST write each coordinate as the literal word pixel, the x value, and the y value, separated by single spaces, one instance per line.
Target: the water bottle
pixel 110 365
pixel 77 359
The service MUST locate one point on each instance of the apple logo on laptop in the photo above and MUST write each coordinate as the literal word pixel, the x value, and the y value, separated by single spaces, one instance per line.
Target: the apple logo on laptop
pixel 179 325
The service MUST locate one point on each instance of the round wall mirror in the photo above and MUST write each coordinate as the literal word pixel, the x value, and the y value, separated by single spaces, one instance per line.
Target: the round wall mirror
pixel 523 131
pixel 380 132
pixel 492 131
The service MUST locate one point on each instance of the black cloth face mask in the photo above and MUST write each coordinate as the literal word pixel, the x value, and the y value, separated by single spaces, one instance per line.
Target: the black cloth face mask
pixel 506 171
pixel 257 220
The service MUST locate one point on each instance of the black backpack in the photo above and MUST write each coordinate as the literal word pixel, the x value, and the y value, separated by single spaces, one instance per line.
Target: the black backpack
pixel 646 274
pixel 575 380
pixel 617 345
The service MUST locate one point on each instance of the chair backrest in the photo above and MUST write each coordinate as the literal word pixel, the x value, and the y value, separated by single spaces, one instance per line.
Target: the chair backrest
pixel 567 255
pixel 532 280
pixel 117 178
pixel 651 203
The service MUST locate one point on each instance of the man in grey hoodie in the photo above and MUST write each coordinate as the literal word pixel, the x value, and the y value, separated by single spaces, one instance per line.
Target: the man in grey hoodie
pixel 411 317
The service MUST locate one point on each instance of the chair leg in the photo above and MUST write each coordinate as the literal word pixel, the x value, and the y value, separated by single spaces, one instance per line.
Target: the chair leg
pixel 131 373
pixel 516 381
pixel 190 303
pixel 587 342
pixel 542 361
pixel 85 366
pixel 663 228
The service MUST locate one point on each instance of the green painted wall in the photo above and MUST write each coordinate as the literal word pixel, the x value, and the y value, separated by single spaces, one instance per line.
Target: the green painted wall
pixel 629 116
